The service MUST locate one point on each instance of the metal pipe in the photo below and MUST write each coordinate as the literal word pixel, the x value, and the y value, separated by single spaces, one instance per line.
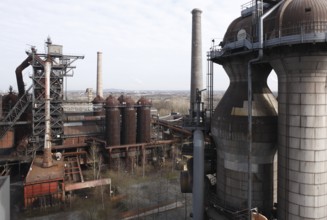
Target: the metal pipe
pixel 47 158
pixel 258 58
pixel 99 75
pixel 19 74
pixel 198 175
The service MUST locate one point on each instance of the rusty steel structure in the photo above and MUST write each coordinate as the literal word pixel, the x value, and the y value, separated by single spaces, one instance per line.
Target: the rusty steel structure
pixel 59 67
pixel 38 129
pixel 19 73
pixel 112 121
pixel 128 113
pixel 42 189
pixel 128 132
pixel 127 123
pixel 143 121
pixel 98 103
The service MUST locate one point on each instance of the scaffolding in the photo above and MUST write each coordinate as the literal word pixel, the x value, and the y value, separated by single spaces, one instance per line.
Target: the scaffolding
pixel 60 67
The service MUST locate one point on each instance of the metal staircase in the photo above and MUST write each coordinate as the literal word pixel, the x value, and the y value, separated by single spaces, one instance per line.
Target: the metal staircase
pixel 14 114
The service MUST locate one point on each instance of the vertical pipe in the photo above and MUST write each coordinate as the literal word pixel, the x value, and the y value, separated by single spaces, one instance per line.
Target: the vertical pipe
pixel 196 58
pixel 198 175
pixel 47 159
pixel 99 75
pixel 260 55
pixel 250 137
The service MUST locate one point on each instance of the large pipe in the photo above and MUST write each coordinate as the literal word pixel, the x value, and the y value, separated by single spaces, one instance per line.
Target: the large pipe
pixel 19 74
pixel 198 175
pixel 196 58
pixel 99 75
pixel 47 158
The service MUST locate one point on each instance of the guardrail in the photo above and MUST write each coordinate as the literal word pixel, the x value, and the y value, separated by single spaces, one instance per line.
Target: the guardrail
pixel 306 32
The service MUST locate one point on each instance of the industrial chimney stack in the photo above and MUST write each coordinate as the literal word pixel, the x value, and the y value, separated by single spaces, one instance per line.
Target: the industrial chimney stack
pixel 196 63
pixel 99 75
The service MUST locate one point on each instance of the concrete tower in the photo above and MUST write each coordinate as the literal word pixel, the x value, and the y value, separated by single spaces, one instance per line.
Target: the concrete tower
pixel 295 47
pixel 99 75
pixel 229 129
pixel 302 108
pixel 196 63
pixel 230 133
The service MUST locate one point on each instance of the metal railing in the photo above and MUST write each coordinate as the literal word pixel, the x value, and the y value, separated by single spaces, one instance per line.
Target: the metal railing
pixel 306 32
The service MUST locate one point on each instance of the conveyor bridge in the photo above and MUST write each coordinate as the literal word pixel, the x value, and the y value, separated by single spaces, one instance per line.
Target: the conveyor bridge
pixel 14 114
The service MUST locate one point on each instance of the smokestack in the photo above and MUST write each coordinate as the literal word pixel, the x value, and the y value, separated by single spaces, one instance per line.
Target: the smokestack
pixel 47 158
pixel 196 63
pixel 99 75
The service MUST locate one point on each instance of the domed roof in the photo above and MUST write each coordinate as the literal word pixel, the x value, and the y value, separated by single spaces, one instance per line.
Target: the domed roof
pixel 293 17
pixel 98 99
pixel 240 27
pixel 143 101
pixel 112 101
pixel 128 101
pixel 298 16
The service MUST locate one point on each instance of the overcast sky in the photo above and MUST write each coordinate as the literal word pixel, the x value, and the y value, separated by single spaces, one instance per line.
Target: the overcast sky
pixel 146 44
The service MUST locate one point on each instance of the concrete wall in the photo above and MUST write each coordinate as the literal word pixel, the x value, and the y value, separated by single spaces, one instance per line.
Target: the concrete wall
pixel 302 136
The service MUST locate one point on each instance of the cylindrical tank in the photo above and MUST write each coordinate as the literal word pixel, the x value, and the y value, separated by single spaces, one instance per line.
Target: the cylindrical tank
pixel 98 109
pixel 128 135
pixel 302 136
pixel 229 129
pixel 112 121
pixel 128 132
pixel 143 121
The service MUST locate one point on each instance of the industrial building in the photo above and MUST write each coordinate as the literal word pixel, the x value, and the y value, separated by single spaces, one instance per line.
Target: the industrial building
pixel 55 138
pixel 253 156
pixel 271 154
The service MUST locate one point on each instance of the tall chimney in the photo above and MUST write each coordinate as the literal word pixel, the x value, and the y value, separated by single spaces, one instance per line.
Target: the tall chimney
pixel 99 75
pixel 196 64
